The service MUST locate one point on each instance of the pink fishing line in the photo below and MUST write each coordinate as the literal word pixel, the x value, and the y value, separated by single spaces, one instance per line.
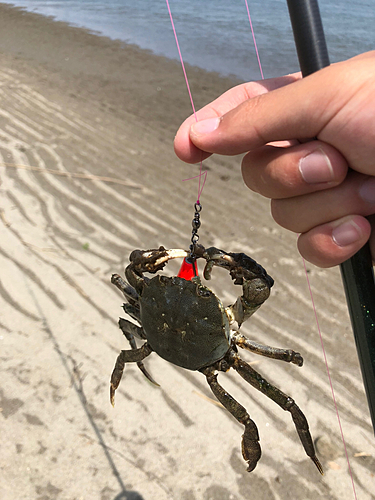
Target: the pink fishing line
pixel 329 377
pixel 255 43
pixel 201 173
pixel 181 60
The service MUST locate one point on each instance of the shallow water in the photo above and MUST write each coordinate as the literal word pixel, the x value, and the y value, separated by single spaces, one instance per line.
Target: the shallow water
pixel 215 34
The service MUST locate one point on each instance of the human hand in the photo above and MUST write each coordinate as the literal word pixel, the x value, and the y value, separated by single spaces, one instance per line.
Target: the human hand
pixel 313 192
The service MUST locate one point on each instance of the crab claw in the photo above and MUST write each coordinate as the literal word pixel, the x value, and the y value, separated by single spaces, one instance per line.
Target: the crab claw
pixel 214 257
pixel 245 271
pixel 150 261
pixel 155 259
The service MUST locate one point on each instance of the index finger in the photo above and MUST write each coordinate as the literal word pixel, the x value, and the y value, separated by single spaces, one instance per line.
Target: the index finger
pixel 335 104
pixel 184 147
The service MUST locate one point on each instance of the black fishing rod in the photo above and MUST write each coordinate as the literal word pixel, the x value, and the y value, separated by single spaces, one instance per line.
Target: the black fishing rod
pixel 357 272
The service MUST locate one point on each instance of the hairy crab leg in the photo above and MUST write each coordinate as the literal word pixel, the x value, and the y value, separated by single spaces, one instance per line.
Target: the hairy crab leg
pixel 132 356
pixel 264 350
pixel 130 294
pixel 283 400
pixel 132 306
pixel 251 450
pixel 129 330
pixel 133 311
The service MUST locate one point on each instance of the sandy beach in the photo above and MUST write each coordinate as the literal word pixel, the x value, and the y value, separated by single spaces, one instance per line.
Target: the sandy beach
pixel 77 109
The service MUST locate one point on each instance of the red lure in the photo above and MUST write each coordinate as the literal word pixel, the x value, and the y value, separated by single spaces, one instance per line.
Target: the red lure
pixel 188 270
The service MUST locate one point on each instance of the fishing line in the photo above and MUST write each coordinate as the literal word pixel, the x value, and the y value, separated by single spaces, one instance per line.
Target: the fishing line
pixel 255 43
pixel 329 377
pixel 200 188
pixel 200 184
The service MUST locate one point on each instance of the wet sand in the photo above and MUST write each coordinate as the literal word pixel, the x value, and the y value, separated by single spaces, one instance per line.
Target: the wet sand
pixel 76 107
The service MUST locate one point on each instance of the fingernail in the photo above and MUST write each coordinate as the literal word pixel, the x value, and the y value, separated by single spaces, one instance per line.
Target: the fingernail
pixel 205 126
pixel 367 190
pixel 346 233
pixel 316 167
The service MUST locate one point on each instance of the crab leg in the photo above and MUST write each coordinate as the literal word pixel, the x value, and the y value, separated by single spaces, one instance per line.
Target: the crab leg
pixel 283 400
pixel 132 356
pixel 133 311
pixel 132 306
pixel 129 330
pixel 130 294
pixel 264 350
pixel 251 450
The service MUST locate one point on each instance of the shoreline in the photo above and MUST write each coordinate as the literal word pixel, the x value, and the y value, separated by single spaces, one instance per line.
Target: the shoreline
pixel 83 106
pixel 124 76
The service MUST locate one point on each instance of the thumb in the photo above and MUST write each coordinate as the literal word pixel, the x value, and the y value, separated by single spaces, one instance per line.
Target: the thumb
pixel 307 108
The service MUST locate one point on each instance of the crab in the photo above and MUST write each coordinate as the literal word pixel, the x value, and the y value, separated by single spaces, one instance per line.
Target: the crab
pixel 185 323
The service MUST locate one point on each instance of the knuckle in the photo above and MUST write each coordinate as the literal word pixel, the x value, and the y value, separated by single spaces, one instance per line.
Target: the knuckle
pixel 281 215
pixel 250 177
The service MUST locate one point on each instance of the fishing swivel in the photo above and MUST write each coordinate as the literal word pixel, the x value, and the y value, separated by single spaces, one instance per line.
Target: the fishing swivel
pixel 196 224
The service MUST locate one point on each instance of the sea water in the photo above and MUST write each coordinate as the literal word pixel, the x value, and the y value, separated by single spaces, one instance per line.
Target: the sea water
pixel 215 34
